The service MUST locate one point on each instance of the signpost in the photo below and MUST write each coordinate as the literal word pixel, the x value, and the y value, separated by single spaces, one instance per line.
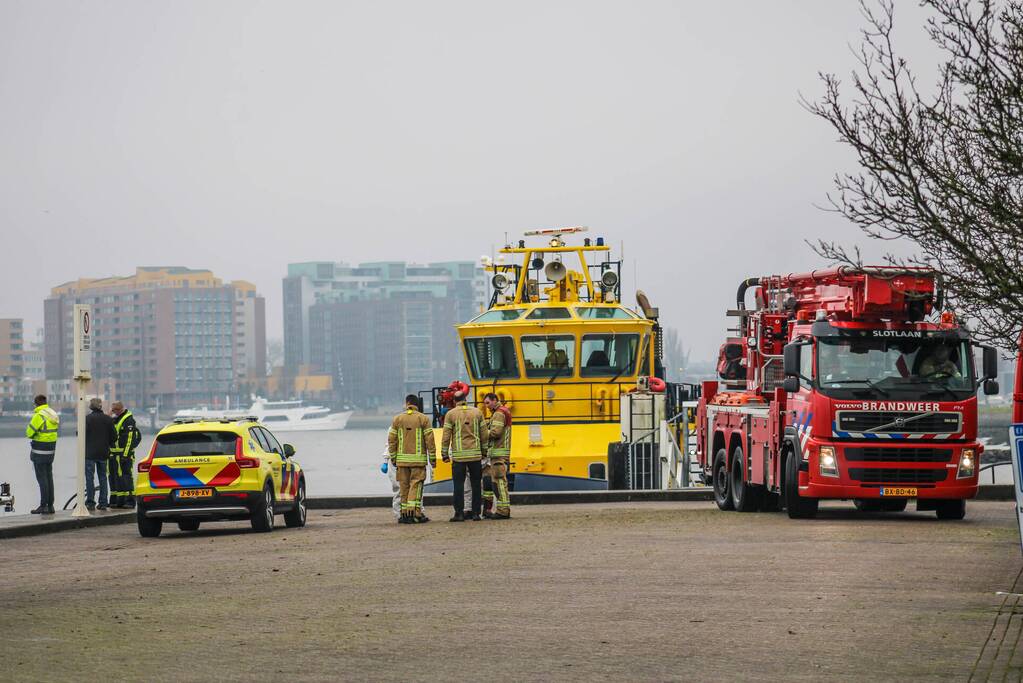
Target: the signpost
pixel 83 374
pixel 1016 450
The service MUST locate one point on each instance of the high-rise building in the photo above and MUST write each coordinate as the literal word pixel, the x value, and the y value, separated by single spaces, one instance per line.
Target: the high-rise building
pixel 168 335
pixel 380 329
pixel 35 365
pixel 12 364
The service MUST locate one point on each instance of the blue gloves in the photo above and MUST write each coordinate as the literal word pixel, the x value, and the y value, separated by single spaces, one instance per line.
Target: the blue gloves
pixel 383 468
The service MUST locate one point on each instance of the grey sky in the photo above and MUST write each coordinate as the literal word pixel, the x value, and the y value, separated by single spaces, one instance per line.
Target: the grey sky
pixel 241 136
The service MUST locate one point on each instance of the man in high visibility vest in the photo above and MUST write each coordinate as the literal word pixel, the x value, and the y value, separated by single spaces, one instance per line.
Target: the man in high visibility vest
pixel 42 431
pixel 499 453
pixel 464 447
pixel 410 445
pixel 122 457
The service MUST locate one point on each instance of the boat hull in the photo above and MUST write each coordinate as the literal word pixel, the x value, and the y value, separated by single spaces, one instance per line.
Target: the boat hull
pixel 527 482
pixel 335 422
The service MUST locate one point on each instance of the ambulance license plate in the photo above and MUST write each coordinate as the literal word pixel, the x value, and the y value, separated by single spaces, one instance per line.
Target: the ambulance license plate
pixel 195 493
pixel 898 491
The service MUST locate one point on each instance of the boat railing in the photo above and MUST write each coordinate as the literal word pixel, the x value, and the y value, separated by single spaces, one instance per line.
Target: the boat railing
pixel 595 402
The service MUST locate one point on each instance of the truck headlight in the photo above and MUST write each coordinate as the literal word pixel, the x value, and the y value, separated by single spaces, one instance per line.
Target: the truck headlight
pixel 827 461
pixel 967 464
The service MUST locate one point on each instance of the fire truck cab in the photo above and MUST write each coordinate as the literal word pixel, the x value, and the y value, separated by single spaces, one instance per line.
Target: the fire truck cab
pixel 844 390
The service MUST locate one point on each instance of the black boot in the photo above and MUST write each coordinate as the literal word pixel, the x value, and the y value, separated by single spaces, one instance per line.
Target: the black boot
pixel 459 517
pixel 49 510
pixel 39 510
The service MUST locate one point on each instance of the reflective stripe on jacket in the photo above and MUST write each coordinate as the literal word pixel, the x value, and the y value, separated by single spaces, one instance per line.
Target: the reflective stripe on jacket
pixel 499 433
pixel 410 439
pixel 463 429
pixel 125 442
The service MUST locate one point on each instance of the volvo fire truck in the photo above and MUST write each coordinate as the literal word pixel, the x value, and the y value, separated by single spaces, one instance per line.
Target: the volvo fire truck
pixel 848 384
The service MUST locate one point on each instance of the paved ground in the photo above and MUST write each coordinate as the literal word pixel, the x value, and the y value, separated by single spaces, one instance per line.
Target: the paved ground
pixel 649 591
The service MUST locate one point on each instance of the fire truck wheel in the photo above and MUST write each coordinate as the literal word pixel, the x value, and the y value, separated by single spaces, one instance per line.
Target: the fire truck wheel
pixel 722 493
pixel 797 506
pixel 745 496
pixel 951 509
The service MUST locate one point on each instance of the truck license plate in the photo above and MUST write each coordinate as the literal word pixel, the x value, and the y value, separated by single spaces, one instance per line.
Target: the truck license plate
pixel 898 491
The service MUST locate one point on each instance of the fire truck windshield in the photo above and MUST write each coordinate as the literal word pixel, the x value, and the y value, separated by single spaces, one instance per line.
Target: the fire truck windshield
pixel 848 367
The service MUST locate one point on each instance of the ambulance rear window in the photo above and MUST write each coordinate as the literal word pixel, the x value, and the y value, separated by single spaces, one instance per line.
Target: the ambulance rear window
pixel 178 444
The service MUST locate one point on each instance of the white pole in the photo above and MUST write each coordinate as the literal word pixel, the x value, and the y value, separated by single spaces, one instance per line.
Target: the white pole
pixel 80 509
pixel 83 373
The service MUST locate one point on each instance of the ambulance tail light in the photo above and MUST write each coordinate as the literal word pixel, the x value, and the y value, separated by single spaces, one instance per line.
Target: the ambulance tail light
pixel 240 457
pixel 144 465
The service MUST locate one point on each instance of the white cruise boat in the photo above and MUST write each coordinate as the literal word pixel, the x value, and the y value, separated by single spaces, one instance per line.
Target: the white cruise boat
pixel 280 416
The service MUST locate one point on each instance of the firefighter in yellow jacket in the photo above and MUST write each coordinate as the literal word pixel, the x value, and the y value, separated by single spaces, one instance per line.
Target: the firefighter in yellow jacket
pixel 464 447
pixel 410 444
pixel 499 453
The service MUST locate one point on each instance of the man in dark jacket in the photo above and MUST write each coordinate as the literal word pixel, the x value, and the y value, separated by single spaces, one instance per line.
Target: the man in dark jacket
pixel 99 437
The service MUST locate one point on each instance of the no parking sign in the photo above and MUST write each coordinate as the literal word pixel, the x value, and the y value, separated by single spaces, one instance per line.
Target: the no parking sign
pixel 1016 446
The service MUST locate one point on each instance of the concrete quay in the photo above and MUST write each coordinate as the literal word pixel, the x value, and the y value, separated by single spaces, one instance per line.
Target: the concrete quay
pixel 668 590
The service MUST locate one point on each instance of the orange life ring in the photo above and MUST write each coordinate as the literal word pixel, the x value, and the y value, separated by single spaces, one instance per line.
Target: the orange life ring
pixel 656 384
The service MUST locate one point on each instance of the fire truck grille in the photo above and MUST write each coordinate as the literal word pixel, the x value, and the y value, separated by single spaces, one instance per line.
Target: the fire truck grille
pixel 887 454
pixel 869 475
pixel 898 422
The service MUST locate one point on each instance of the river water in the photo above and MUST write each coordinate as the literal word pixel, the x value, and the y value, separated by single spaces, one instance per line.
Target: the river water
pixel 336 463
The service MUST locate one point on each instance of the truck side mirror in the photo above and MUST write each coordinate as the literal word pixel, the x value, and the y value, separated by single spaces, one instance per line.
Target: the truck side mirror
pixel 790 385
pixel 990 362
pixel 790 363
pixel 991 387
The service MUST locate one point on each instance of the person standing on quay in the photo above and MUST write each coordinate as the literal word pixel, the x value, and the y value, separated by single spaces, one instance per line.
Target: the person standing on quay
pixel 122 457
pixel 410 445
pixel 99 437
pixel 463 446
pixel 42 431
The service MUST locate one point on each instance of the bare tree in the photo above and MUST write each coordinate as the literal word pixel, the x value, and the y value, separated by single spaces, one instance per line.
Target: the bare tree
pixel 940 168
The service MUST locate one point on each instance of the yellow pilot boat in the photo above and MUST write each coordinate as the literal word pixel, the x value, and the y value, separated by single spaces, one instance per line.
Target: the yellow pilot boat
pixel 559 348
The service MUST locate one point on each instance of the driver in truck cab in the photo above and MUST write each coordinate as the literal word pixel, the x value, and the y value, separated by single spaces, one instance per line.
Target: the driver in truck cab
pixel 939 363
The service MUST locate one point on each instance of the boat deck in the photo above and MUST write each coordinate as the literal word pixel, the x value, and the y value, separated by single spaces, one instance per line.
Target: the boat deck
pixel 631 591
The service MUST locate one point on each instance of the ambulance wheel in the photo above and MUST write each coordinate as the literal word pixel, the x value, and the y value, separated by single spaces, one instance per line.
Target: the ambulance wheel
pixel 745 496
pixel 722 492
pixel 263 512
pixel 148 528
pixel 189 525
pixel 797 506
pixel 295 517
pixel 951 509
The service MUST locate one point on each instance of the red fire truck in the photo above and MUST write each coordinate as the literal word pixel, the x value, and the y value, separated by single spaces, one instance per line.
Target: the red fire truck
pixel 836 386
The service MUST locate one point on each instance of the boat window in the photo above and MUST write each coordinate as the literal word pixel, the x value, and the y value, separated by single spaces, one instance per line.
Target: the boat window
pixel 609 354
pixel 602 313
pixel 549 356
pixel 316 415
pixel 258 435
pixel 275 445
pixel 174 445
pixel 275 418
pixel 499 315
pixel 492 357
pixel 549 314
